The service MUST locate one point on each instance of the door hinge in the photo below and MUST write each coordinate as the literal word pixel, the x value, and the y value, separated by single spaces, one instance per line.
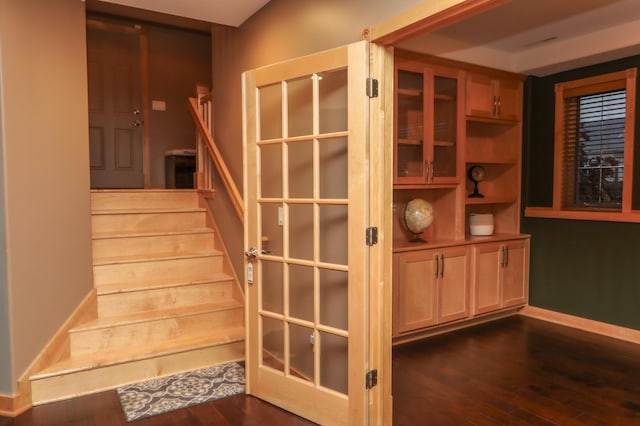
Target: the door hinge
pixel 371 378
pixel 372 235
pixel 372 87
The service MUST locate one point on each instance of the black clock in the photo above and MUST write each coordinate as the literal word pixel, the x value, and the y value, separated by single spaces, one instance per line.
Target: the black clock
pixel 476 174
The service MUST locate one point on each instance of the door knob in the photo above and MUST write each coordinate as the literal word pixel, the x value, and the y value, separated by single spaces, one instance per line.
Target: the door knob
pixel 252 253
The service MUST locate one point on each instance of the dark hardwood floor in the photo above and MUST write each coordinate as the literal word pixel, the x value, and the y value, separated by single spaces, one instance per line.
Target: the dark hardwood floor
pixel 515 371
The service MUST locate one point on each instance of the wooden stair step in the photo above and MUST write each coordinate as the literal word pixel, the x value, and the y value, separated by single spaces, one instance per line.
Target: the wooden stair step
pixel 83 362
pixel 131 199
pixel 180 269
pixel 189 241
pixel 90 373
pixel 152 233
pixel 123 287
pixel 131 301
pixel 148 221
pixel 124 259
pixel 143 328
pixel 123 320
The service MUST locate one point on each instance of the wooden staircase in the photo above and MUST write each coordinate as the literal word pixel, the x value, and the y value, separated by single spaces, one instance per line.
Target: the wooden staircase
pixel 167 299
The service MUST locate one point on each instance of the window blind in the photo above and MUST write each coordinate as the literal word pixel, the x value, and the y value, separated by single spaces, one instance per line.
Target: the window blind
pixel 593 154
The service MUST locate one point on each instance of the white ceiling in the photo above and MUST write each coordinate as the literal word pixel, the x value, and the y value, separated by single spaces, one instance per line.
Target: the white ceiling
pixel 225 12
pixel 536 37
pixel 540 36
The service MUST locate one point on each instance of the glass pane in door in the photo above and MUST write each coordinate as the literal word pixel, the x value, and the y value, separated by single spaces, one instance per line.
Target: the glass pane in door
pixel 273 343
pixel 300 169
pixel 301 346
pixel 301 292
pixel 271 171
pixel 300 106
pixel 270 107
pixel 332 100
pixel 334 180
pixel 333 362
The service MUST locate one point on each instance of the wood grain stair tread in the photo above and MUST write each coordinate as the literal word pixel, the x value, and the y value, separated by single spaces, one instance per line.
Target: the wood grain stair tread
pixel 117 260
pixel 120 356
pixel 148 211
pixel 126 287
pixel 158 233
pixel 161 314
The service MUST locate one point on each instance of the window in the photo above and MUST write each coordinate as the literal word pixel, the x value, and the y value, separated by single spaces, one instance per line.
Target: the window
pixel 594 137
pixel 592 163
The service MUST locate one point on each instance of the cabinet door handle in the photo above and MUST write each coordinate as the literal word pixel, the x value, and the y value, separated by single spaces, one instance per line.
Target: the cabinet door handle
pixel 428 171
pixel 499 107
pixel 437 260
pixel 502 257
pixel 431 171
pixel 504 262
pixel 495 106
pixel 441 265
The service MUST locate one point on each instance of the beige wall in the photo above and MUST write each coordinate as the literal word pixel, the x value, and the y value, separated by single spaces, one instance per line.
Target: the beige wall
pixel 282 30
pixel 46 171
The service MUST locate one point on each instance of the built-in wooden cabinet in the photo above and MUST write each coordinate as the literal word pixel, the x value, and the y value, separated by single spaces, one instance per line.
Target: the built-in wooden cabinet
pixel 500 274
pixel 435 287
pixel 450 116
pixel 492 96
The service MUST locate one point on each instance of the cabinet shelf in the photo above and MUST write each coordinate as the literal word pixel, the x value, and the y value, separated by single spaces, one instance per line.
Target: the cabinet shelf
pixel 411 142
pixel 490 200
pixel 450 144
pixel 491 161
pixel 409 92
pixel 447 98
pixel 424 186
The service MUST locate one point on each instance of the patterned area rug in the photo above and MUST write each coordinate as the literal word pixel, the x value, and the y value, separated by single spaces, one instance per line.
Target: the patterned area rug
pixel 165 394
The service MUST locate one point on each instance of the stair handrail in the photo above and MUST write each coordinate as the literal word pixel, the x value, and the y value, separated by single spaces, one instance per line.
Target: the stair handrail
pixel 200 109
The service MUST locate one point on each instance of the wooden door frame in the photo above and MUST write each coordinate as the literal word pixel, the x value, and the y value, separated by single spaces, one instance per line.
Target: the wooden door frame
pixel 144 83
pixel 425 17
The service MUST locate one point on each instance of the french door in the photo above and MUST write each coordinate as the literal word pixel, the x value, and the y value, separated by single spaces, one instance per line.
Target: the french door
pixel 306 216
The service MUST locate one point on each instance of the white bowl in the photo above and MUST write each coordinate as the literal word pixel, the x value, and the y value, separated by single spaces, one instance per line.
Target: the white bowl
pixel 481 224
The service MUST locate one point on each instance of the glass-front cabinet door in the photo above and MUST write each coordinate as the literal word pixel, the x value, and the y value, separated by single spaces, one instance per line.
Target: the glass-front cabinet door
pixel 428 115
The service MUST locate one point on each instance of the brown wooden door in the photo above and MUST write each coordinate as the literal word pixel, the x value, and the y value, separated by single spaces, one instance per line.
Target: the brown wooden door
pixel 306 212
pixel 116 122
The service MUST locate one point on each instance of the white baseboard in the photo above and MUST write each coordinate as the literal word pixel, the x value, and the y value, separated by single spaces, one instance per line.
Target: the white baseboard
pixel 605 329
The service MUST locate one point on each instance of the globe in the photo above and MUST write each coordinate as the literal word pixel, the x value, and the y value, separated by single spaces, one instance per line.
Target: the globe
pixel 418 216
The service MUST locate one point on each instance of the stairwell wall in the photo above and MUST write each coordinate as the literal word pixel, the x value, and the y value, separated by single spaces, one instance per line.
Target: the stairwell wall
pixel 45 176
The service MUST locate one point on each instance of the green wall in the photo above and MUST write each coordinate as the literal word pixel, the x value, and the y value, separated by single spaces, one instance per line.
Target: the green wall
pixel 589 269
